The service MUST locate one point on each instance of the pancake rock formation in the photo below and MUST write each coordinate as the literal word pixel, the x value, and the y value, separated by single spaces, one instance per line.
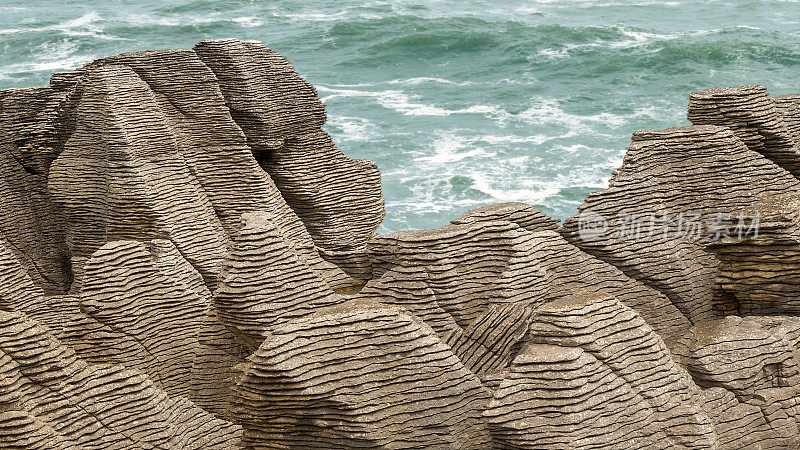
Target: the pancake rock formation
pixel 188 261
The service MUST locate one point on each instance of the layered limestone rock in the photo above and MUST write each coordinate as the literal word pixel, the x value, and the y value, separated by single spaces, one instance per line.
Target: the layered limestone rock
pixel 265 284
pixel 18 292
pixel 759 274
pixel 563 397
pixel 477 284
pixel 31 225
pixel 213 145
pixel 126 128
pixel 750 369
pixel 338 199
pixel 50 398
pixel 121 176
pixel 753 117
pixel 789 107
pixel 359 375
pixel 522 214
pixel 670 198
pixel 140 315
pixel 615 336
pixel 188 261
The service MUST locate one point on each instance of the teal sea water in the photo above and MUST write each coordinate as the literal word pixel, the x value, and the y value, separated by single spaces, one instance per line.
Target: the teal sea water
pixel 461 103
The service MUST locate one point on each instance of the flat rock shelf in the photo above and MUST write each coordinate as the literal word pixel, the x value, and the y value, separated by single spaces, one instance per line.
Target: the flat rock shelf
pixel 187 261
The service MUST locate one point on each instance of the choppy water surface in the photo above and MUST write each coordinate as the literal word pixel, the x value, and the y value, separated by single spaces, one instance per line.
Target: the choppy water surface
pixel 461 103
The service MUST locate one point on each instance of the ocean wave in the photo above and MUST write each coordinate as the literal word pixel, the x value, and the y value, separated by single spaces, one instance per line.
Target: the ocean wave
pixel 420 80
pixel 44 66
pixel 624 37
pixel 550 112
pixel 248 22
pixel 50 56
pixel 541 111
pixel 85 25
pixel 472 169
pixel 348 128
pixel 448 148
pixel 401 102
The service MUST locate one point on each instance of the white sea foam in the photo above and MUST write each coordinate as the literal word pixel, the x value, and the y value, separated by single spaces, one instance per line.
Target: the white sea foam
pixel 528 191
pixel 401 102
pixel 514 139
pixel 353 128
pixel 315 16
pixel 85 25
pixel 46 65
pixel 248 22
pixel 448 148
pixel 549 111
pixel 640 38
pixel 633 39
pixel 174 20
pixel 421 80
pixel 50 56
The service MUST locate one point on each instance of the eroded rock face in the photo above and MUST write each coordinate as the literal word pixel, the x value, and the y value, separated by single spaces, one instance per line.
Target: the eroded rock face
pixel 359 375
pixel 477 283
pixel 32 226
pixel 789 107
pixel 522 214
pixel 618 338
pixel 562 397
pixel 338 199
pixel 50 398
pixel 188 261
pixel 137 314
pixel 759 274
pixel 265 284
pixel 122 176
pixel 753 117
pixel 665 204
pixel 749 365
pixel 18 292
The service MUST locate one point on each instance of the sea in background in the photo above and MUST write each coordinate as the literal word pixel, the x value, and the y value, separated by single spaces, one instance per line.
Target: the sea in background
pixel 461 103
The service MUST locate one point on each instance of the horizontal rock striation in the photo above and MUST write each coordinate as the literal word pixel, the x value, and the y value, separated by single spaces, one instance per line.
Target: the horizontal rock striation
pixel 50 398
pixel 359 374
pixel 137 314
pixel 669 199
pixel 759 274
pixel 338 199
pixel 753 117
pixel 187 260
pixel 618 338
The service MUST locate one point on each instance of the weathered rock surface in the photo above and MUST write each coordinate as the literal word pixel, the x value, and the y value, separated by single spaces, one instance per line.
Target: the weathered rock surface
pixel 522 214
pixel 338 199
pixel 618 338
pixel 359 375
pixel 753 117
pixel 139 315
pixel 759 274
pixel 667 202
pixel 188 261
pixel 749 365
pixel 18 292
pixel 477 283
pixel 121 176
pixel 265 284
pixel 32 226
pixel 789 107
pixel 50 398
pixel 562 397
